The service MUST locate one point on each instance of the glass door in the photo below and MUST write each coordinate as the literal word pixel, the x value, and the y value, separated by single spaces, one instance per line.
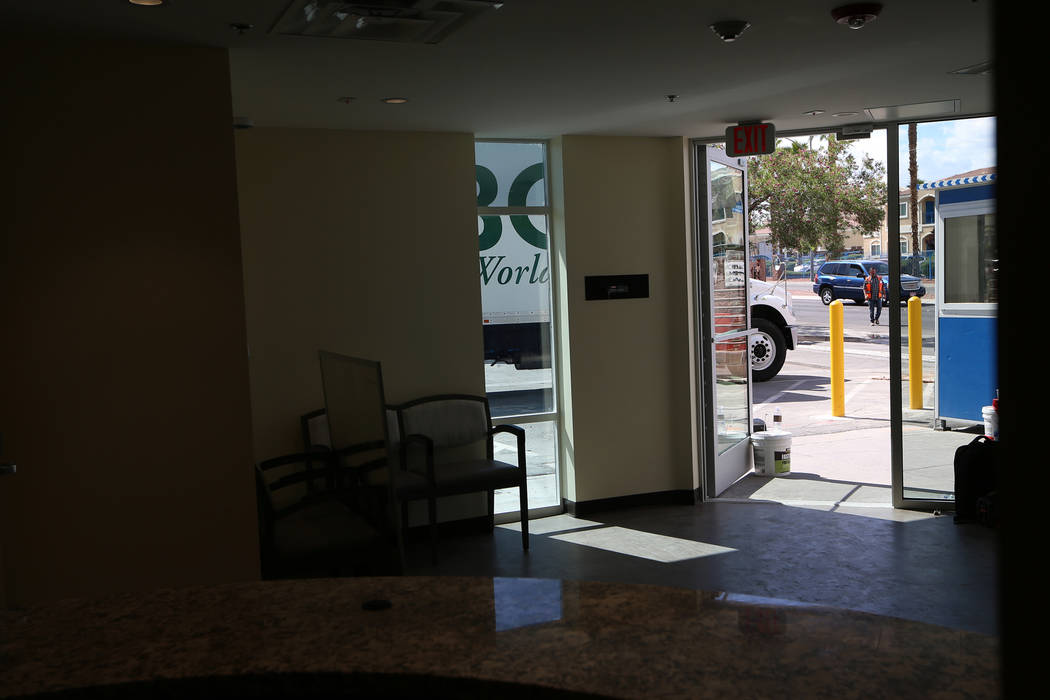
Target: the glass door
pixel 722 301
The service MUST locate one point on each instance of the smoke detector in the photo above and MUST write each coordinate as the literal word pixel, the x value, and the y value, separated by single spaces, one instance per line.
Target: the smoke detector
pixel 857 15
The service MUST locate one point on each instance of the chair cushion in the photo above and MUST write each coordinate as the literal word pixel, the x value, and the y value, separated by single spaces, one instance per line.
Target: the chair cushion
pixel 458 477
pixel 405 481
pixel 476 475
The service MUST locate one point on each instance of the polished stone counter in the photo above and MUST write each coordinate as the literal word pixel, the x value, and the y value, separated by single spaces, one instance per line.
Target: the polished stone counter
pixel 479 637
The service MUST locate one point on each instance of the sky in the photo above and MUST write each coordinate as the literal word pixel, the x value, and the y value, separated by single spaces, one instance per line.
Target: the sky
pixel 943 149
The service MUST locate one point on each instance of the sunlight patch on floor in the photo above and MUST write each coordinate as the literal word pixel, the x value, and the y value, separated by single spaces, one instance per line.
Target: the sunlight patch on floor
pixel 645 545
pixel 551 524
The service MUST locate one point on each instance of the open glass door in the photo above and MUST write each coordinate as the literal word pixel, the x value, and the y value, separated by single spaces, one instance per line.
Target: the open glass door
pixel 724 317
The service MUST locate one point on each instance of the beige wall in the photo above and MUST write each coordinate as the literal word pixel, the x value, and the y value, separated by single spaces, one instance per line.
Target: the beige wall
pixel 123 369
pixel 361 243
pixel 625 213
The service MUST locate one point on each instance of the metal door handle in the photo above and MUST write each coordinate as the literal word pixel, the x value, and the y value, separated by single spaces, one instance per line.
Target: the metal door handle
pixel 8 468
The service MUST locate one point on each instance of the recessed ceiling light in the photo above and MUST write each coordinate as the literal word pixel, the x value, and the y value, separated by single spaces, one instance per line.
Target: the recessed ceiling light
pixel 845 114
pixel 395 100
pixel 730 30
pixel 147 3
pixel 813 113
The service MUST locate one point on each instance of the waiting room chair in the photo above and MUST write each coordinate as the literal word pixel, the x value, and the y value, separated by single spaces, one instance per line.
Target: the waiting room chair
pixel 360 449
pixel 309 525
pixel 439 440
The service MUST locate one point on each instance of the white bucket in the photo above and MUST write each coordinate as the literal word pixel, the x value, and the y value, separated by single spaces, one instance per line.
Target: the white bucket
pixel 991 421
pixel 772 452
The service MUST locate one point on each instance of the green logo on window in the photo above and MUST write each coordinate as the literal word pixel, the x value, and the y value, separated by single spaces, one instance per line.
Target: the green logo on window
pixel 492 227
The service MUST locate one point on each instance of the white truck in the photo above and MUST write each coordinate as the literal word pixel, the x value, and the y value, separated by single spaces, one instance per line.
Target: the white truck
pixel 515 303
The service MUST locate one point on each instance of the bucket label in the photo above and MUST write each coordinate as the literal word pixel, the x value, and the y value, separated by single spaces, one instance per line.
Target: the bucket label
pixel 772 459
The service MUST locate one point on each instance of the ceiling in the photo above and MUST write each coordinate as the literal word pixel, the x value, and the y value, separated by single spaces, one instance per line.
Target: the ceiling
pixel 540 68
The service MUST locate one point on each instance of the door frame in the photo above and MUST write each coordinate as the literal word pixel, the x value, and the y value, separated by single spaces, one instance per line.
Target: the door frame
pixel 703 318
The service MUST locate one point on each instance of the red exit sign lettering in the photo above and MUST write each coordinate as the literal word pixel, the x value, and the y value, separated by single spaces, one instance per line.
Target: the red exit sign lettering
pixel 750 139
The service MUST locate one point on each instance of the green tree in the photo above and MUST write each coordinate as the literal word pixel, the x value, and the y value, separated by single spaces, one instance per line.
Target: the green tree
pixel 809 197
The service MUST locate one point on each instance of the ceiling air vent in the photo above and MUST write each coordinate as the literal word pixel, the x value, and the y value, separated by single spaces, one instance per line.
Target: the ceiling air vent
pixel 415 21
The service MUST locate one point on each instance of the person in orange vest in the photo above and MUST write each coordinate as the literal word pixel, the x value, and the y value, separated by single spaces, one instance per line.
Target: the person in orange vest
pixel 874 292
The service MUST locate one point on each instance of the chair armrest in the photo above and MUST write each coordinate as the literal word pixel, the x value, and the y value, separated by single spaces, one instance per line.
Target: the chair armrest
pixel 515 430
pixel 428 447
pixel 294 457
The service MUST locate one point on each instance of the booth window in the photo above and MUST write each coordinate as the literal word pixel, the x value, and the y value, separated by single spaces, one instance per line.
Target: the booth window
pixel 970 260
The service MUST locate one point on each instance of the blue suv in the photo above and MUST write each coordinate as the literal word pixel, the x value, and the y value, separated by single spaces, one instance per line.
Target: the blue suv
pixel 844 279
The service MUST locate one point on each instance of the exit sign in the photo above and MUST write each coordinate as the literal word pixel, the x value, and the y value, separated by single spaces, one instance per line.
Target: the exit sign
pixel 750 139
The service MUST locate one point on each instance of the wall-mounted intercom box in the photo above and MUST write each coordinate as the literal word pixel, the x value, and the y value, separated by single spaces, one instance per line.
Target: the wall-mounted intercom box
pixel 616 287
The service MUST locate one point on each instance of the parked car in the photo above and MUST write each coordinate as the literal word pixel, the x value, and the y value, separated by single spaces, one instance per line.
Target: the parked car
pixel 844 279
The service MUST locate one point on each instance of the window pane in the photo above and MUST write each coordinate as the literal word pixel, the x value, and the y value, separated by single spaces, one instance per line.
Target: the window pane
pixel 731 395
pixel 516 319
pixel 728 254
pixel 946 151
pixel 510 174
pixel 514 273
pixel 970 260
pixel 540 452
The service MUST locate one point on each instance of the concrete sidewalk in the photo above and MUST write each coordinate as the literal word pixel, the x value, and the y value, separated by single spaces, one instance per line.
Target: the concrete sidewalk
pixel 849 471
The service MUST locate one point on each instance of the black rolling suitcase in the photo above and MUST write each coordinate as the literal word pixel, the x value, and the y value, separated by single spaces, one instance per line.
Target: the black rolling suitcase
pixel 976 469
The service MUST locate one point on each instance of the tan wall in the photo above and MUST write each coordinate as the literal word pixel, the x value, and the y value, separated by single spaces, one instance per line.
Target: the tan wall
pixel 361 243
pixel 625 213
pixel 123 368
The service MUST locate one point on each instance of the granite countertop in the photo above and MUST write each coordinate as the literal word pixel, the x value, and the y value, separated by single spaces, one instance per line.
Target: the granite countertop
pixel 479 637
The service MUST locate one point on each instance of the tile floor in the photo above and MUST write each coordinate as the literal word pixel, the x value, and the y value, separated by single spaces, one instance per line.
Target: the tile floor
pixel 861 557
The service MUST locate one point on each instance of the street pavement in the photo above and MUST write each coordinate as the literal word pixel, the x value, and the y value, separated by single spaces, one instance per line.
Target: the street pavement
pixel 844 463
pixel 838 463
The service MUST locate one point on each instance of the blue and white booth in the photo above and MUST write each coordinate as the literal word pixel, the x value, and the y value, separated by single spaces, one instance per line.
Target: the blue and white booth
pixel 967 264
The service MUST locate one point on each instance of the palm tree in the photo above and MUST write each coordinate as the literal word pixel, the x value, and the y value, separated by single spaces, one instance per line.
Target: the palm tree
pixel 913 202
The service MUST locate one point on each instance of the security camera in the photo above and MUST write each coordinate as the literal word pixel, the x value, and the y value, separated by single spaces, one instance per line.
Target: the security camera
pixel 858 15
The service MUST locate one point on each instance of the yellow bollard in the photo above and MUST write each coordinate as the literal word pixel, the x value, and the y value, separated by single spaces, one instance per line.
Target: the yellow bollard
pixel 838 374
pixel 915 353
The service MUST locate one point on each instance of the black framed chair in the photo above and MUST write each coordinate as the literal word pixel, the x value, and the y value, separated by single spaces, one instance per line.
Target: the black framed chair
pixel 445 447
pixel 309 522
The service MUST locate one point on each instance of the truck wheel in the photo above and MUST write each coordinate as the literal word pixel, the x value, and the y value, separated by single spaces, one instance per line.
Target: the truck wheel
pixel 827 295
pixel 768 350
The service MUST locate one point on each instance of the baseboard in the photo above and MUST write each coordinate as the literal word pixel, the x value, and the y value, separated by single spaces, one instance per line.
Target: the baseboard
pixel 680 497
